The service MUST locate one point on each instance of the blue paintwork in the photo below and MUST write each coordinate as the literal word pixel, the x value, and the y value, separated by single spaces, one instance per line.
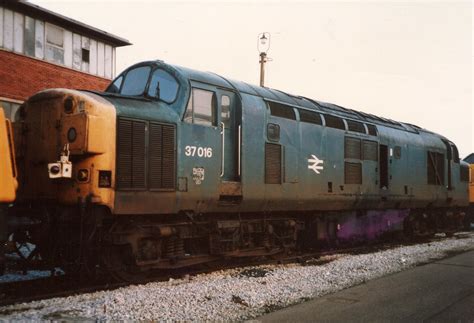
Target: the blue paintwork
pixel 301 188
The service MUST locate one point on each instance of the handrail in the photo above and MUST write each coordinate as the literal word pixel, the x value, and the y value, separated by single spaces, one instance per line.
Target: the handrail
pixel 223 149
pixel 239 148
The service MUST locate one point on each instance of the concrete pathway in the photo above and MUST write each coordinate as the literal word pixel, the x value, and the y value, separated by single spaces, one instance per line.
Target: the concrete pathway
pixel 442 291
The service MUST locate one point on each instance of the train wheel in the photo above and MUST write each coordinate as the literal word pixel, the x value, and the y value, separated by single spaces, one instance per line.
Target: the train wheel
pixel 120 264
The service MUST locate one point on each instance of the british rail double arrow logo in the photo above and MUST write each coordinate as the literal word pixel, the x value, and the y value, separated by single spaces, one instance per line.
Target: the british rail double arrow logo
pixel 314 164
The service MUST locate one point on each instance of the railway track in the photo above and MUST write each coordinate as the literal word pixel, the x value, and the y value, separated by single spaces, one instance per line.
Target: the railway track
pixel 62 286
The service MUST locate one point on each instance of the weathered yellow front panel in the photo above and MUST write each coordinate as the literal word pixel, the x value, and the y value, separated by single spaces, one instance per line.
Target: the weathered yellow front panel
pixel 8 182
pixel 47 125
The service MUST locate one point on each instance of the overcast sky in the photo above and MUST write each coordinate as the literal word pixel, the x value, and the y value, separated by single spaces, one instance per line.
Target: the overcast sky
pixel 411 61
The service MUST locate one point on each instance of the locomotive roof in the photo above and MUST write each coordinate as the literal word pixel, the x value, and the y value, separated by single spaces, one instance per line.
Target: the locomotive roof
pixel 285 98
pixel 293 100
pixel 469 159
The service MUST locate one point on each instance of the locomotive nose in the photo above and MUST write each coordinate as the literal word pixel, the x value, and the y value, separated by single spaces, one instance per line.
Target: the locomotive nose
pixel 70 139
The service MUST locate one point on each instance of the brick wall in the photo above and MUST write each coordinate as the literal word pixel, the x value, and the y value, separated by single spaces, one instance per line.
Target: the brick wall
pixel 22 76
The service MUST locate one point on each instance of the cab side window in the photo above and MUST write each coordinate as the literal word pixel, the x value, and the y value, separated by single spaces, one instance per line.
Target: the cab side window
pixel 201 108
pixel 225 110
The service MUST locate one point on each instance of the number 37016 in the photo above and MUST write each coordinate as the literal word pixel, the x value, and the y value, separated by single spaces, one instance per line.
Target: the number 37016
pixel 205 152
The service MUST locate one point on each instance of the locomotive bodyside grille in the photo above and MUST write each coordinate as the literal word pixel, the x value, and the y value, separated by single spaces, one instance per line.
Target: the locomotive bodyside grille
pixel 156 156
pixel 352 148
pixel 370 151
pixel 435 168
pixel 169 157
pixel 136 140
pixel 138 155
pixel 272 164
pixel 162 156
pixel 131 159
pixel 124 154
pixel 352 173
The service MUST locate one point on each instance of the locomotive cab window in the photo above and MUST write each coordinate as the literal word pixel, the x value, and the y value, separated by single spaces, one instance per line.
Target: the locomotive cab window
pixel 225 110
pixel 135 81
pixel 201 108
pixel 163 86
pixel 115 86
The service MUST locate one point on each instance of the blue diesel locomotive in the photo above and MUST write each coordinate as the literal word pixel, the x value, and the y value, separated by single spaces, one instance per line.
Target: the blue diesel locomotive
pixel 172 167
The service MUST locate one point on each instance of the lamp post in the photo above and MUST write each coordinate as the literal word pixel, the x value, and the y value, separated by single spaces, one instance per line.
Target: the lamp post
pixel 263 46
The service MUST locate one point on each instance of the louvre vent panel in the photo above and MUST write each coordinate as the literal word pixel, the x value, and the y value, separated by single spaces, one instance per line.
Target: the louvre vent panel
pixel 146 158
pixel 124 154
pixel 169 157
pixel 435 168
pixel 156 155
pixel 440 167
pixel 370 150
pixel 352 173
pixel 131 154
pixel 162 156
pixel 138 155
pixel 431 173
pixel 352 148
pixel 272 164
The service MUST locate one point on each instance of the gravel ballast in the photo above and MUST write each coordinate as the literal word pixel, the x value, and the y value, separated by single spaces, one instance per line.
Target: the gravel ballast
pixel 236 294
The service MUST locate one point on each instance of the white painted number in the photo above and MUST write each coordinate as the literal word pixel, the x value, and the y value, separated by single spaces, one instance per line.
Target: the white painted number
pixel 203 152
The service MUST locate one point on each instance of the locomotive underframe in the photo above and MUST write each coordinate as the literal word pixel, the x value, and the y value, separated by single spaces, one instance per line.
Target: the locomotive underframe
pixel 89 239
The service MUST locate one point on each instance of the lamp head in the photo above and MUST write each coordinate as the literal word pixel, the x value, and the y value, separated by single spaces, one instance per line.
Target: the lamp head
pixel 263 42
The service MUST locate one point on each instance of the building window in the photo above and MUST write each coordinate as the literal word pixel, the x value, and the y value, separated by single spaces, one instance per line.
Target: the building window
pixel 11 110
pixel 85 55
pixel 54 44
pixel 29 37
pixel 201 108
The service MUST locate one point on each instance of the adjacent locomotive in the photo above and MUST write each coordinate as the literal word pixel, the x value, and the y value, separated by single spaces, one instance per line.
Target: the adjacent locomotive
pixel 470 214
pixel 8 182
pixel 171 167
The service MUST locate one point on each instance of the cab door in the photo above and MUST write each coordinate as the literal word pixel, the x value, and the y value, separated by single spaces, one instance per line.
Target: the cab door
pixel 230 125
pixel 230 117
pixel 200 149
